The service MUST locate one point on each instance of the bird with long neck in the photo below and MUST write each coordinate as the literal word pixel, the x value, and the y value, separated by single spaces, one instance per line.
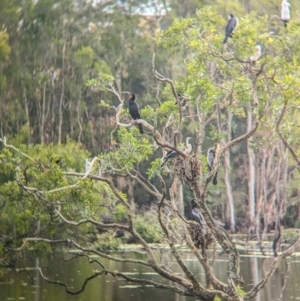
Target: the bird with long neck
pixel 172 153
pixel 134 110
pixel 285 12
pixel 211 154
pixel 198 217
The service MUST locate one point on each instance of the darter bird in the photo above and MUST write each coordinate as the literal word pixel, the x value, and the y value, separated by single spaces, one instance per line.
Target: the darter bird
pixel 211 153
pixel 172 153
pixel 198 217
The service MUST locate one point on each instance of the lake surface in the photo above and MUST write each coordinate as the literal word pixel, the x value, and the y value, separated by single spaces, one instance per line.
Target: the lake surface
pixel 20 286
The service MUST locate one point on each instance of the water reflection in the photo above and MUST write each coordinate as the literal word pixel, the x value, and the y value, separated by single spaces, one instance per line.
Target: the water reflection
pixel 108 288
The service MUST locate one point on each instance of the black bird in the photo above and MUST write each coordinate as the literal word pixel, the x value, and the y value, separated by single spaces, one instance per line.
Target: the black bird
pixel 230 27
pixel 182 100
pixel 172 153
pixel 198 217
pixel 169 155
pixel 134 110
pixel 211 153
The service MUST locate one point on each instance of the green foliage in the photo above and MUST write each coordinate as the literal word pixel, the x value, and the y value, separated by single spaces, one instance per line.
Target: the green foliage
pixel 148 229
pixel 132 150
pixel 154 169
pixel 297 224
pixel 107 241
pixel 32 186
pixel 119 213
pixel 240 291
pixel 4 46
pixel 84 57
pixel 102 81
pixel 290 236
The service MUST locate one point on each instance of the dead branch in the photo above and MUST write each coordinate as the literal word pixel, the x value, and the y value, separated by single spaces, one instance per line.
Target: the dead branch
pixel 287 145
pixel 93 222
pixel 184 268
pixel 86 281
pixel 141 180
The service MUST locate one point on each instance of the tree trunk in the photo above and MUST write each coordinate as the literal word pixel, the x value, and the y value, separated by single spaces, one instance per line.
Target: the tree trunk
pixel 229 193
pixel 60 108
pixel 251 176
pixel 27 115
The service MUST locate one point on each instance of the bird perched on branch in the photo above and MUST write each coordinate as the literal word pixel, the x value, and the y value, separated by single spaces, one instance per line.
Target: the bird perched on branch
pixel 257 55
pixel 198 217
pixel 230 27
pixel 285 12
pixel 134 110
pixel 182 100
pixel 172 153
pixel 211 154
pixel 87 165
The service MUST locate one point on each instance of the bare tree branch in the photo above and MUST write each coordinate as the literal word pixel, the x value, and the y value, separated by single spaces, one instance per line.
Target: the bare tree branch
pixel 293 248
pixel 86 281
pixel 287 145
pixel 184 268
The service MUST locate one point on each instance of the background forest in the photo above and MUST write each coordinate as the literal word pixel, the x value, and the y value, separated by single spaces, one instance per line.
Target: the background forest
pixel 50 50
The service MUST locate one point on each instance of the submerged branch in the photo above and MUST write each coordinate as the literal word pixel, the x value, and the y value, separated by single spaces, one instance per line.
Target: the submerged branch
pixel 86 281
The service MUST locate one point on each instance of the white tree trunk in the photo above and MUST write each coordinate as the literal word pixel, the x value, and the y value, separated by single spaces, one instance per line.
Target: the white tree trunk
pixel 251 176
pixel 229 191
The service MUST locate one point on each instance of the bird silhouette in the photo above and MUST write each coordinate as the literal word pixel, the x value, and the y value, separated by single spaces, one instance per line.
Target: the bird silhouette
pixel 134 110
pixel 198 217
pixel 230 27
pixel 211 153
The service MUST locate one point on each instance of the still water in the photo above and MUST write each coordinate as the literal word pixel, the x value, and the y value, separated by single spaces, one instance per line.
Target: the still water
pixel 20 286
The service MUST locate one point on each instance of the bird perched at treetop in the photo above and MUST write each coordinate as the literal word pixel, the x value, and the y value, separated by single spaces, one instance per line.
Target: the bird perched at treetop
pixel 172 153
pixel 230 27
pixel 211 153
pixel 257 55
pixel 285 12
pixel 134 109
pixel 198 217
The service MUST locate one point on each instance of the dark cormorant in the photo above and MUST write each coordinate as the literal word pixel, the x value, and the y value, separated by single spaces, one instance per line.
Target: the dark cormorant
pixel 230 27
pixel 134 110
pixel 211 153
pixel 285 12
pixel 198 217
pixel 172 153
